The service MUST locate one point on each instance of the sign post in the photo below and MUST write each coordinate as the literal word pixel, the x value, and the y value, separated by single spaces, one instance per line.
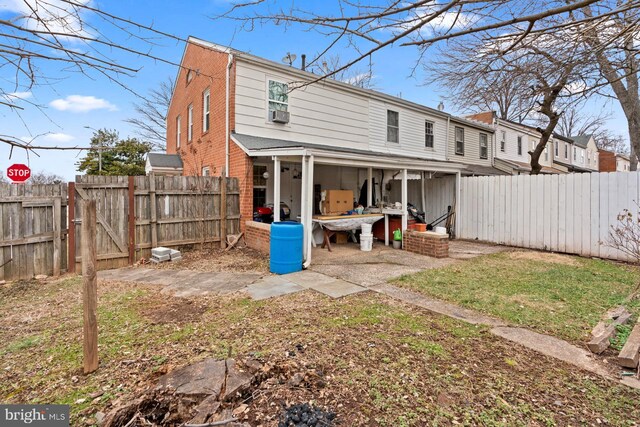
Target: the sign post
pixel 18 173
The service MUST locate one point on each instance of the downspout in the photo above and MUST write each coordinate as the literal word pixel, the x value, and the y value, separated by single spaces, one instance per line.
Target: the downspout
pixel 227 130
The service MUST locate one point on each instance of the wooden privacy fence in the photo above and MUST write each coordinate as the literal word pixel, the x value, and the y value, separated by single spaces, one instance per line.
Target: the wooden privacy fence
pixel 33 230
pixel 570 213
pixel 133 214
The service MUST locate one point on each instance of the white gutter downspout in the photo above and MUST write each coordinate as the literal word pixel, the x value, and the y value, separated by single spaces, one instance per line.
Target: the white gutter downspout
pixel 227 130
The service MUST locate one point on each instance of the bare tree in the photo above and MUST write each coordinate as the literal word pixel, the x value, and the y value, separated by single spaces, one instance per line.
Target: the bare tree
pixel 353 76
pixel 43 177
pixel 575 121
pixel 625 235
pixel 151 114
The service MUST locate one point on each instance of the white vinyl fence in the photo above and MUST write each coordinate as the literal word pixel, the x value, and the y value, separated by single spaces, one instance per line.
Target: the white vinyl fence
pixel 570 213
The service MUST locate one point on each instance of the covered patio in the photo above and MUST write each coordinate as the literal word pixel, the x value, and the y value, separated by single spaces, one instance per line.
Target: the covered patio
pixel 296 173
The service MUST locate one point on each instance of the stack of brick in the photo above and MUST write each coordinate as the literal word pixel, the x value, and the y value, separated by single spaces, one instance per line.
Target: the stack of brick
pixel 258 236
pixel 427 243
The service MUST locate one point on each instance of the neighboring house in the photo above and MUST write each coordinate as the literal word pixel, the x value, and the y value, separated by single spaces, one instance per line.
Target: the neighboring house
pixel 163 164
pixel 585 153
pixel 512 143
pixel 471 143
pixel 570 155
pixel 287 137
pixel 612 162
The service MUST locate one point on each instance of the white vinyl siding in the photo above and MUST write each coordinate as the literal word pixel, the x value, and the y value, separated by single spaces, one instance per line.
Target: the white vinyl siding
pixel 393 126
pixel 515 136
pixel 178 131
pixel 319 114
pixel 190 122
pixel 484 146
pixel 206 108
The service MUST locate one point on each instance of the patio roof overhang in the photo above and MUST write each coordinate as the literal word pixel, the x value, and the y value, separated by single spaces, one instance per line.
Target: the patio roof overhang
pixel 294 151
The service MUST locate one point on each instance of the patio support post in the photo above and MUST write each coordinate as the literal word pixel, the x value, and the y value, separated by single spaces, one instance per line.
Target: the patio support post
pixel 309 211
pixel 404 199
pixel 369 187
pixel 458 203
pixel 303 206
pixel 276 189
pixel 423 191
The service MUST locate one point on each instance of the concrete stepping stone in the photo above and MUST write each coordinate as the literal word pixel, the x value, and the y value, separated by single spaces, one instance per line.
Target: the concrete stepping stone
pixel 338 288
pixel 308 279
pixel 260 291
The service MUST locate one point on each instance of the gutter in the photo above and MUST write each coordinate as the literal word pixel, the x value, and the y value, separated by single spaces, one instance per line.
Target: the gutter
pixel 227 132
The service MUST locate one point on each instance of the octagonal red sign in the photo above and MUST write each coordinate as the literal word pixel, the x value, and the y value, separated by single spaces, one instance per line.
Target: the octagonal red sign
pixel 18 172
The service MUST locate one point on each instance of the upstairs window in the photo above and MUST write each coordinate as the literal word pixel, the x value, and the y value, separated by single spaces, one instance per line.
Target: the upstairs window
pixel 484 146
pixel 178 131
pixel 278 96
pixel 460 141
pixel 519 146
pixel 582 156
pixel 428 134
pixel 503 141
pixel 205 171
pixel 190 123
pixel 393 126
pixel 546 153
pixel 556 147
pixel 575 154
pixel 206 101
pixel 566 150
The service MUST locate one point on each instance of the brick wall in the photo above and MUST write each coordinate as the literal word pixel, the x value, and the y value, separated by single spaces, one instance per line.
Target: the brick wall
pixel 257 235
pixel 607 161
pixel 207 149
pixel 427 243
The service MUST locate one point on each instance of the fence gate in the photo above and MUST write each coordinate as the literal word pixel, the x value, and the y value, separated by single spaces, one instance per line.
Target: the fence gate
pixel 33 230
pixel 114 212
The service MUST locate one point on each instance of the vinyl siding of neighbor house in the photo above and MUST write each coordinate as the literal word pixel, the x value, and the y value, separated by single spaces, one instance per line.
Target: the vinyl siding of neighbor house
pixel 471 145
pixel 592 155
pixel 319 113
pixel 412 131
pixel 529 140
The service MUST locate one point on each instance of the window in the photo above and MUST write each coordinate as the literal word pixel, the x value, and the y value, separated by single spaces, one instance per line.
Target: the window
pixel 582 156
pixel 259 186
pixel 503 141
pixel 190 123
pixel 484 146
pixel 519 146
pixel 393 126
pixel 546 153
pixel 206 98
pixel 589 156
pixel 190 74
pixel 278 97
pixel 575 154
pixel 205 171
pixel 556 145
pixel 460 141
pixel 566 150
pixel 178 131
pixel 428 134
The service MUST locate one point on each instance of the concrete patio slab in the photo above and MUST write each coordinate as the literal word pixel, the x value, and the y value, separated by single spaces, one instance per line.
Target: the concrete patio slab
pixel 261 291
pixel 308 278
pixel 338 288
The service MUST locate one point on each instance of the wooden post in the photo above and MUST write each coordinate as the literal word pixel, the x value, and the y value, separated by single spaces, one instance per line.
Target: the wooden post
pixel 71 217
pixel 57 236
pixel 154 214
pixel 132 223
pixel 369 187
pixel 223 212
pixel 90 286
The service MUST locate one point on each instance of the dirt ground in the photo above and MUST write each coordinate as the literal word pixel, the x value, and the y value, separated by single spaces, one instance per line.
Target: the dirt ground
pixel 371 360
pixel 214 259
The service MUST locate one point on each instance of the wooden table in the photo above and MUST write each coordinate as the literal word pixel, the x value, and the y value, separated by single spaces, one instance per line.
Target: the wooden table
pixel 331 224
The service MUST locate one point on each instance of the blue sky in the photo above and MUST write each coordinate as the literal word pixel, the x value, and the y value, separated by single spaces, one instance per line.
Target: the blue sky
pixel 76 103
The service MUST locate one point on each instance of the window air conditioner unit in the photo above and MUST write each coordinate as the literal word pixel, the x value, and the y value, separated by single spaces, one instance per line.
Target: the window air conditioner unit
pixel 279 116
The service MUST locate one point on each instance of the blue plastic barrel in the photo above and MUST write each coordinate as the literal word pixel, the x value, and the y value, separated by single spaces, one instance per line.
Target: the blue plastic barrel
pixel 286 247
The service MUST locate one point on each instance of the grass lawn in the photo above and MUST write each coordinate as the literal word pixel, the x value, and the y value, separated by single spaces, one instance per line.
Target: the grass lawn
pixel 383 363
pixel 555 294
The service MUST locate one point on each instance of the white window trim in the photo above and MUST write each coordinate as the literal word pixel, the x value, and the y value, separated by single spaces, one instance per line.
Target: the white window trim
pixel 486 145
pixel 288 103
pixel 519 145
pixel 206 111
pixel 433 134
pixel 206 171
pixel 190 123
pixel 178 131
pixel 456 140
pixel 397 127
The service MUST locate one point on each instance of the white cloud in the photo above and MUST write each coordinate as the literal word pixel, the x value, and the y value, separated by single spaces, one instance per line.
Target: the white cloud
pixel 59 137
pixel 53 15
pixel 82 104
pixel 19 95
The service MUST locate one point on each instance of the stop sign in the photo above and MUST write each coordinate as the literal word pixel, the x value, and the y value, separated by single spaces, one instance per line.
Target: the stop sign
pixel 18 172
